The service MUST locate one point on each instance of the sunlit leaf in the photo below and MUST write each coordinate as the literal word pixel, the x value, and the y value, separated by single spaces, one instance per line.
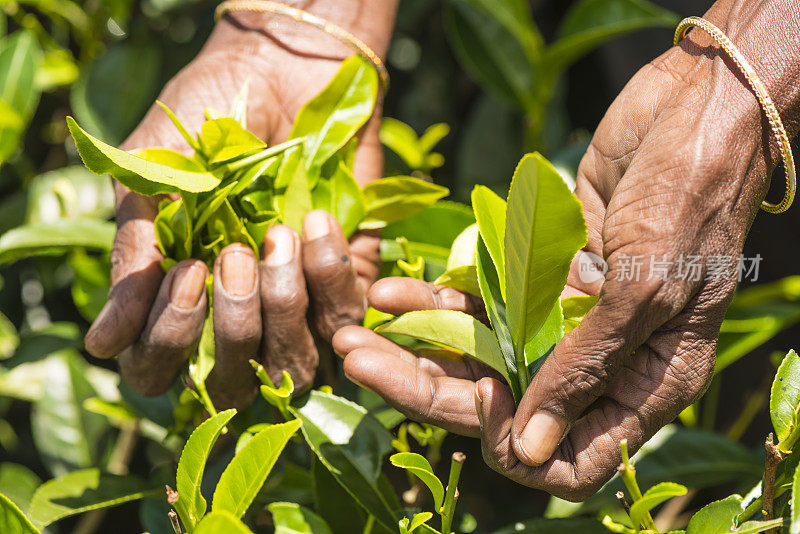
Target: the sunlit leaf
pixel 191 506
pixel 391 199
pixel 419 466
pixel 652 498
pixel 12 520
pixel 219 522
pixel 246 473
pixel 784 401
pixel 451 329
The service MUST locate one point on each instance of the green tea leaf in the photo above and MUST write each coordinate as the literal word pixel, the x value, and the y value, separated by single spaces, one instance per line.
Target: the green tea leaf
pixel 67 436
pixel 391 199
pixel 496 310
pixel 347 201
pixel 419 466
pixel 752 527
pixel 784 401
pixel 575 309
pixel 490 53
pixel 451 329
pixel 202 362
pixel 297 202
pixel 82 491
pixel 291 518
pixel 224 139
pixel 332 118
pixel 244 476
pixel 549 334
pixel 490 212
pixel 12 520
pixel 351 444
pixel 19 58
pixel 170 158
pixel 590 23
pixel 18 484
pixel 191 506
pixel 334 504
pixel 464 249
pixel 794 526
pixel 115 90
pixel 652 498
pixel 55 238
pixel 463 278
pixel 179 125
pixel 403 141
pixel 218 522
pixel 540 243
pixel 134 172
pixel 717 517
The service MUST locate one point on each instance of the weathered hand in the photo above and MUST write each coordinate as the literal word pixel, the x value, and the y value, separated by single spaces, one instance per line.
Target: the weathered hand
pixel 152 321
pixel 675 172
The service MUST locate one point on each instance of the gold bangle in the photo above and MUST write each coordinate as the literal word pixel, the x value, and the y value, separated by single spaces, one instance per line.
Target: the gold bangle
pixel 265 6
pixel 764 99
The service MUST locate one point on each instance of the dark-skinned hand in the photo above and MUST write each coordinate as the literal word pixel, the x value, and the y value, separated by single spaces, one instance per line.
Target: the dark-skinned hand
pixel 677 168
pixel 153 321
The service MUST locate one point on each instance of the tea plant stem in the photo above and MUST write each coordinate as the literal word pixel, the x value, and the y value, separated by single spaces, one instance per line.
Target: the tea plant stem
pixel 774 457
pixel 522 369
pixel 628 475
pixel 620 495
pixel 451 494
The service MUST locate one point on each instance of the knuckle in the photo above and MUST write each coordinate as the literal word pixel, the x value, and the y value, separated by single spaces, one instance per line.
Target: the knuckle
pixel 284 299
pixel 329 265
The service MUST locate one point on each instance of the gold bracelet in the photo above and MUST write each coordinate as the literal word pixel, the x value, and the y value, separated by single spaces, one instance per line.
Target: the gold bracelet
pixel 265 6
pixel 764 99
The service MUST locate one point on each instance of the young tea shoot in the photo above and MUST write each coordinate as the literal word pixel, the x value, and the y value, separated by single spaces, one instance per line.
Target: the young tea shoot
pixel 518 265
pixel 234 186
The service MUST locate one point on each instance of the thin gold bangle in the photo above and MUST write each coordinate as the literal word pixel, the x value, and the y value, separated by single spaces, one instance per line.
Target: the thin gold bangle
pixel 265 6
pixel 764 99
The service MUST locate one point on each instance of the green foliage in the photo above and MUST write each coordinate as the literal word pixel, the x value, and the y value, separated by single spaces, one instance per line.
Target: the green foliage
pixel 653 497
pixel 500 45
pixel 526 245
pixel 351 444
pixel 244 476
pixel 291 518
pixel 784 402
pixel 12 520
pixel 416 152
pixel 420 466
pixel 82 491
pixel 55 238
pixel 191 506
pixel 216 522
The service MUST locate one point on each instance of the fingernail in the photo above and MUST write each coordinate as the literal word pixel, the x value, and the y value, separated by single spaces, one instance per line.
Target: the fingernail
pixel 540 437
pixel 317 224
pixel 238 272
pixel 280 246
pixel 187 286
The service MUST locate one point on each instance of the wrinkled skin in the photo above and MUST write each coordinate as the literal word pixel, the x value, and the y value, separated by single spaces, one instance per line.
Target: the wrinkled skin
pixel 676 167
pixel 152 321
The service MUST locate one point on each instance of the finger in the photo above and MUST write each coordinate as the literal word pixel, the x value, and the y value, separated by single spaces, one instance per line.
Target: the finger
pixel 495 407
pixel 237 328
pixel 365 249
pixel 433 361
pixel 288 344
pixel 135 278
pixel 337 297
pixel 408 385
pixel 368 164
pixel 398 295
pixel 151 364
pixel 582 364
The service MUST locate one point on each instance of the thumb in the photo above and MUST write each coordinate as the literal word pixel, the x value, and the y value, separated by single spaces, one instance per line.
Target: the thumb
pixel 580 367
pixel 136 274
